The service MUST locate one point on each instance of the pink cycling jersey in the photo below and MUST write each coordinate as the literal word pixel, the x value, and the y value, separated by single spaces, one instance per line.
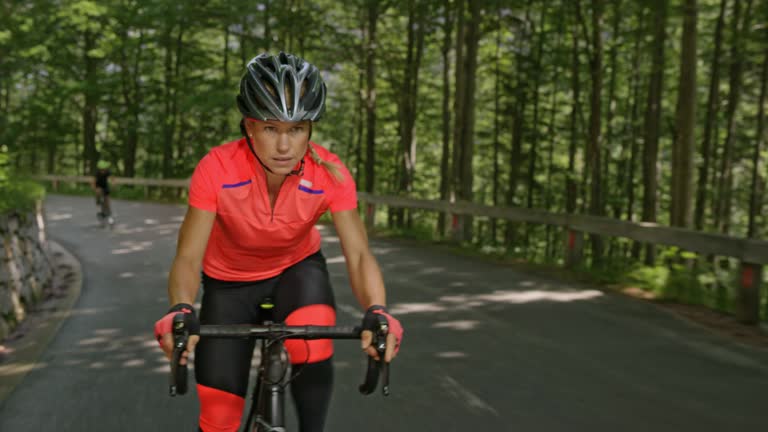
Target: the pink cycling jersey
pixel 250 240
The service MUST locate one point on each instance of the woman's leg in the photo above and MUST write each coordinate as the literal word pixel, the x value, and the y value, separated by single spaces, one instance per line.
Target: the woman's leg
pixel 304 297
pixel 222 366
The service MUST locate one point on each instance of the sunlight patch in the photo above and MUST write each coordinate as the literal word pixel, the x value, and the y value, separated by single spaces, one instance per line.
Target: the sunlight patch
pixel 450 354
pixel 517 297
pixel 406 308
pixel 457 325
pixel 432 270
pixel 336 260
pixel 59 216
pixel 19 368
pixel 131 246
pixel 134 363
pixel 93 341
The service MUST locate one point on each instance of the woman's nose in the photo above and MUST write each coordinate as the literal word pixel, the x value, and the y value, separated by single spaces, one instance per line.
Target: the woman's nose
pixel 283 143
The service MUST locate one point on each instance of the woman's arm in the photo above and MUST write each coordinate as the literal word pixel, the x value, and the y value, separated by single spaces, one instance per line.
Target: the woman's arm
pixel 367 283
pixel 364 273
pixel 184 280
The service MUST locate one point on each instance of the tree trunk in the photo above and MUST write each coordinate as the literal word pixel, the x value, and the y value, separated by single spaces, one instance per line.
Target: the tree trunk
pixel 552 135
pixel 713 101
pixel 596 66
pixel 571 185
pixel 682 152
pixel 725 187
pixel 533 152
pixel 133 98
pixel 633 127
pixel 652 120
pixel 611 193
pixel 518 122
pixel 496 124
pixel 360 113
pixel 458 113
pixel 169 120
pixel 468 131
pixel 267 27
pixel 408 106
pixel 243 42
pixel 755 201
pixel 445 158
pixel 90 157
pixel 370 97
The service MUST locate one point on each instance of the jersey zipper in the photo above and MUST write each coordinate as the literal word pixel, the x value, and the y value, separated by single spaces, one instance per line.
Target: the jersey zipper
pixel 277 199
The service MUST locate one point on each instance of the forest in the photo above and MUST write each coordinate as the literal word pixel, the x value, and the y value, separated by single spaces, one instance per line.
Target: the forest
pixel 636 110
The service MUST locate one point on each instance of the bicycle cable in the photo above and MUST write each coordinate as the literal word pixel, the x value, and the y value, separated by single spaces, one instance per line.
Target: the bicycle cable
pixel 285 370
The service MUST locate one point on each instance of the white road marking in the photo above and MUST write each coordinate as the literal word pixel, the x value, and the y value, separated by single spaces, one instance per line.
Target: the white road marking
pixel 472 400
pixel 350 310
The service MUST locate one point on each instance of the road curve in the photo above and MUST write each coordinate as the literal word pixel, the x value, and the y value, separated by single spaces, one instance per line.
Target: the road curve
pixel 486 348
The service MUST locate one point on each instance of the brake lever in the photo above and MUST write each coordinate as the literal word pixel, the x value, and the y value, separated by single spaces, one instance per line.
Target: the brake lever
pixel 178 380
pixel 378 366
pixel 381 348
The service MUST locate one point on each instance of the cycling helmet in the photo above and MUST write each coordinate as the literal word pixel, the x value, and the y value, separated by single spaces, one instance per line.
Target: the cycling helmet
pixel 281 87
pixel 102 164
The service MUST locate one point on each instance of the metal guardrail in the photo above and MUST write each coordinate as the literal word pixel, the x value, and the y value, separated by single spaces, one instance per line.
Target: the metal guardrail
pixel 753 254
pixel 750 250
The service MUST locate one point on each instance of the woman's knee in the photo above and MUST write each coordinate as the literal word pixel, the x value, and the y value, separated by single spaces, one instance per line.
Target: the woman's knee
pixel 220 411
pixel 311 351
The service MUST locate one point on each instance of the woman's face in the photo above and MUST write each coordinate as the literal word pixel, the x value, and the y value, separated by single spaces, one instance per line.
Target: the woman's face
pixel 279 145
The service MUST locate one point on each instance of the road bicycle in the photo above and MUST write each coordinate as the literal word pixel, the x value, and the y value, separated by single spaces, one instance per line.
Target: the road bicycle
pixel 104 215
pixel 267 410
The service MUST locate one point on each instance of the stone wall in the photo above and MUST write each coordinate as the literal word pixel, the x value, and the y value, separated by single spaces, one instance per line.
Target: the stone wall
pixel 26 272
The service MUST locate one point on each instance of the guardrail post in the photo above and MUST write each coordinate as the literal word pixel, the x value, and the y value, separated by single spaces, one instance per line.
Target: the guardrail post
pixel 370 215
pixel 55 184
pixel 748 295
pixel 574 247
pixel 457 228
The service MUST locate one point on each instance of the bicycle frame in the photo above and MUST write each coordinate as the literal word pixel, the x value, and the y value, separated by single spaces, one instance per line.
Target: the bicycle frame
pixel 267 411
pixel 105 211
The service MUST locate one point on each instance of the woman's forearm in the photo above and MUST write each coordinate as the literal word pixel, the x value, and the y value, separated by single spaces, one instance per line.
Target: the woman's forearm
pixel 184 281
pixel 366 280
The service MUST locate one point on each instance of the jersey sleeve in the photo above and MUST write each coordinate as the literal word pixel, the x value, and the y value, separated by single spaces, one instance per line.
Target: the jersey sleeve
pixel 202 190
pixel 344 193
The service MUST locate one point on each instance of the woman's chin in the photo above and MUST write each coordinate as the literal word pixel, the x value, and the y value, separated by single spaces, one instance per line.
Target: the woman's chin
pixel 281 169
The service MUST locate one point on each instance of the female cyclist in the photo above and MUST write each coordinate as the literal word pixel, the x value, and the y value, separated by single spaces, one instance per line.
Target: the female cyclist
pixel 250 229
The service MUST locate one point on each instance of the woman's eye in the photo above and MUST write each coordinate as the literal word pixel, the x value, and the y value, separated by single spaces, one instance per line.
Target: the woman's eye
pixel 296 129
pixel 269 129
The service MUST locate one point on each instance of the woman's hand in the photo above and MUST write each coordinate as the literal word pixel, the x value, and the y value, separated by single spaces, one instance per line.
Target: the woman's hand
pixel 164 333
pixel 371 322
pixel 166 343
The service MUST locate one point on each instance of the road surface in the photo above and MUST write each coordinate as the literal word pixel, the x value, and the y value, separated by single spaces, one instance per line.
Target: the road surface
pixel 486 348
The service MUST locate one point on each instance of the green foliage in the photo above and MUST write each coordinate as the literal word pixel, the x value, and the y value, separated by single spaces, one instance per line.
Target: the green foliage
pixel 648 278
pixel 18 194
pixel 159 79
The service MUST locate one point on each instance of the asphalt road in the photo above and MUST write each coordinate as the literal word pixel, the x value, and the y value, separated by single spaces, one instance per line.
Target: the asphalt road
pixel 485 348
